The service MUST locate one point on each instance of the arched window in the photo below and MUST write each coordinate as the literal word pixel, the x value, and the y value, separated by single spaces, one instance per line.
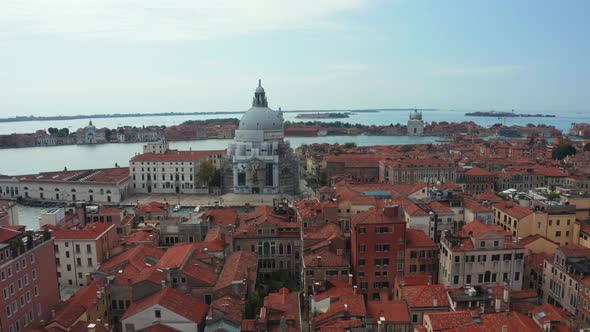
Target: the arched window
pixel 281 249
pixel 40 188
pixel 252 248
pixel 288 248
pixel 266 249
pixel 73 190
pixel 108 191
pixel 487 276
pixel 297 255
pixel 90 190
pixel 238 247
pixel 56 189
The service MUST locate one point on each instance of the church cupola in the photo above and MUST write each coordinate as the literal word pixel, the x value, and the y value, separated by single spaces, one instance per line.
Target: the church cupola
pixel 259 96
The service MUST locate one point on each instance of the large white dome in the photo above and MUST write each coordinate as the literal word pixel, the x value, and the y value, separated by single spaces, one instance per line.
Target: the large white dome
pixel 261 118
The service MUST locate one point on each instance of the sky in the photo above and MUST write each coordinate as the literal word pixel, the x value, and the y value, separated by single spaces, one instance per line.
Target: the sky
pixel 65 57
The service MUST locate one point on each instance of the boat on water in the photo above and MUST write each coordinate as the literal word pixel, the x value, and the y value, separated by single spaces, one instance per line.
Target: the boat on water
pixel 177 208
pixel 198 209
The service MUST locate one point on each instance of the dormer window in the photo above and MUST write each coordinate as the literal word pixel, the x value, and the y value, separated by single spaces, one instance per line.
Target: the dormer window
pixel 482 244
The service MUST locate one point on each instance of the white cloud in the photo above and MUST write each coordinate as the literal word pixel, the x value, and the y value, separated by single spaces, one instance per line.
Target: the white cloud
pixel 168 19
pixel 478 70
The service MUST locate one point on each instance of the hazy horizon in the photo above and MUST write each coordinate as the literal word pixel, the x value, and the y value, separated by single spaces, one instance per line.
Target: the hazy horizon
pixel 107 56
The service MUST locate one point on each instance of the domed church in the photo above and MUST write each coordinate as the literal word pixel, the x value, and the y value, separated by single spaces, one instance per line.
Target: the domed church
pixel 259 160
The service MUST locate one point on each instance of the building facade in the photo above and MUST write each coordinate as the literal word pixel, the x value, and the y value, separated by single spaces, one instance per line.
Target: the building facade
pixel 481 254
pixel 259 160
pixel 415 124
pixel 164 171
pixel 28 279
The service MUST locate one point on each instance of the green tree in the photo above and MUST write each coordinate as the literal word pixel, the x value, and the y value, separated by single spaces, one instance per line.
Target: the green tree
pixel 587 147
pixel 206 170
pixel 563 150
pixel 107 134
pixel 52 131
pixel 215 180
pixel 407 148
pixel 349 145
pixel 63 132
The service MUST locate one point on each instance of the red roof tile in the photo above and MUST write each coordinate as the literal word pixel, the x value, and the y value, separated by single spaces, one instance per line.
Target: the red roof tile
pixel 176 155
pixel 392 310
pixel 513 209
pixel 92 231
pixel 238 266
pixel 173 300
pixel 477 228
pixel 476 171
pixel 440 321
pixel 425 296
pixel 7 234
pixel 418 239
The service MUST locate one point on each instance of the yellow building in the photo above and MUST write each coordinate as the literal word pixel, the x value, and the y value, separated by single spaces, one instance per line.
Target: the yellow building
pixel 557 223
pixel 582 203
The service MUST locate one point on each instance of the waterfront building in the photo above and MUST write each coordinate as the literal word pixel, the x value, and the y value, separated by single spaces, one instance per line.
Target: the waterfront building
pixel 481 254
pixel 90 135
pixel 477 180
pixel 28 278
pixel 415 124
pixel 259 160
pixel 107 185
pixel 164 171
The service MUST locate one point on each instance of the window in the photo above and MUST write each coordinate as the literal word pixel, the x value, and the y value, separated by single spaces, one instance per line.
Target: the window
pixel 482 244
pixel 558 234
pixel 361 248
pixel 457 259
pixel 495 258
pixel 77 248
pixel 496 243
pixel 456 280
pixel 468 279
pixel 361 274
pixel 400 266
pixel 386 247
pixel 377 247
pixel 158 313
pixel 68 267
pixel 89 261
pixel 78 261
pixel 381 229
pixel 507 257
pixel 518 256
pixel 362 230
pixel 361 262
pixel 516 276
pixel 481 258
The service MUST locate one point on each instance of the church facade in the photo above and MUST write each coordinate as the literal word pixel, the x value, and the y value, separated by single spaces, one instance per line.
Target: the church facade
pixel 259 160
pixel 415 124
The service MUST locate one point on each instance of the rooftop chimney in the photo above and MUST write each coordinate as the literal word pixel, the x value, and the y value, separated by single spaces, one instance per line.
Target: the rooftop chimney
pixel 350 279
pixel 319 260
pixel 435 302
pixel 91 327
pixel 354 289
pixel 506 294
pixel 163 283
pixel 497 305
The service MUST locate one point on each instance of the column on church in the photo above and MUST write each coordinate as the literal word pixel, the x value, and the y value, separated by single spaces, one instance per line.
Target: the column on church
pixel 275 175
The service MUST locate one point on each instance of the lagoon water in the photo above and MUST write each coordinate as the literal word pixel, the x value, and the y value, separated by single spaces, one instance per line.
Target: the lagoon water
pixel 42 159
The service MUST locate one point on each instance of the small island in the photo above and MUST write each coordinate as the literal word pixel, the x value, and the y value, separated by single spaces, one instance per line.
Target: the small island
pixel 509 114
pixel 323 115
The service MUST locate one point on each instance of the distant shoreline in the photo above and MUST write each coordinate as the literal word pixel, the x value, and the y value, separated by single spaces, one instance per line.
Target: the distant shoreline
pixel 130 115
pixel 509 115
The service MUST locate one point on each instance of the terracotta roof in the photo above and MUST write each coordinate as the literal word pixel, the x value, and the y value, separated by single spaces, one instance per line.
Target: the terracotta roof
pixel 474 206
pixel 574 250
pixel 513 209
pixel 89 176
pixel 532 238
pixel 7 234
pixel 283 303
pixel 418 239
pixel 515 322
pixel 92 231
pixel 222 216
pixel 553 172
pixel 440 208
pixel 476 171
pixel 424 296
pixel 154 208
pixel 84 299
pixel 176 155
pixel 173 300
pixel 175 256
pixel 392 310
pixel 440 321
pixel 231 307
pixel 328 259
pixel 477 228
pixel 374 216
pixel 489 196
pixel 238 266
pixel 409 207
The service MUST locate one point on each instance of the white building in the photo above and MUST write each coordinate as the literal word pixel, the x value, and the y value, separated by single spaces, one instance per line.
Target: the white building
pixel 481 254
pixel 166 310
pixel 90 135
pixel 164 171
pixel 415 124
pixel 259 160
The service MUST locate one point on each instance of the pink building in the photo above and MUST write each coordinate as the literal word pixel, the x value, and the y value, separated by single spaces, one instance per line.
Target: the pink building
pixel 28 278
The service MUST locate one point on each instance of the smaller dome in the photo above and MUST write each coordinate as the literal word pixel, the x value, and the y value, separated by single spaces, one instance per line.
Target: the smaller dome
pixel 415 115
pixel 259 89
